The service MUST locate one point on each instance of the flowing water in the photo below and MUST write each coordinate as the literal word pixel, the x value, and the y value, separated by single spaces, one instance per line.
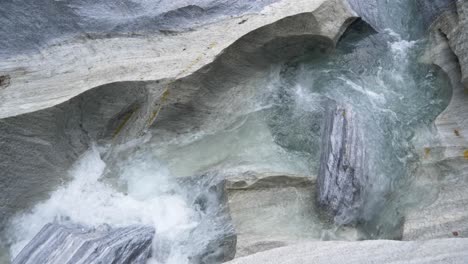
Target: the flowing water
pixel 272 124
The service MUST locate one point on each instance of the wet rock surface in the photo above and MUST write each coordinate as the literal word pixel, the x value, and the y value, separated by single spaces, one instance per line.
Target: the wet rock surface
pixel 215 226
pixel 57 243
pixel 442 251
pixel 342 177
pixel 445 166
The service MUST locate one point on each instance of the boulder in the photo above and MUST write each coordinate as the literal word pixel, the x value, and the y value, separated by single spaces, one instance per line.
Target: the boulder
pixel 47 74
pixel 343 173
pixel 59 50
pixel 73 244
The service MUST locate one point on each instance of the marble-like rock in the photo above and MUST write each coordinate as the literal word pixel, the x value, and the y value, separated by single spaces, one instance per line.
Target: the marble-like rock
pixel 45 131
pixel 378 13
pixel 37 149
pixel 61 244
pixel 441 251
pixel 218 236
pixel 445 214
pixel 61 49
pixel 343 173
pixel 271 210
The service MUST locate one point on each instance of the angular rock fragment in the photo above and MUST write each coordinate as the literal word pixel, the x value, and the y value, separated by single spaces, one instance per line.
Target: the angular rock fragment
pixel 342 174
pixel 67 244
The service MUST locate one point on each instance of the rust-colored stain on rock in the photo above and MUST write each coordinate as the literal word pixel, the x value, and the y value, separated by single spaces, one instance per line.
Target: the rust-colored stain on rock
pixel 465 154
pixel 427 151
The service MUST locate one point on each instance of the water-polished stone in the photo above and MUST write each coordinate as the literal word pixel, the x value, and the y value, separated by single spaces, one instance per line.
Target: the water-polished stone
pixel 342 175
pixel 62 244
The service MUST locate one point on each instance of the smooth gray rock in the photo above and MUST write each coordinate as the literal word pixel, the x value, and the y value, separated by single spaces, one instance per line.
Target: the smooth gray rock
pixel 271 210
pixel 111 114
pixel 93 44
pixel 32 25
pixel 37 149
pixel 343 175
pixel 72 244
pixel 445 214
pixel 441 251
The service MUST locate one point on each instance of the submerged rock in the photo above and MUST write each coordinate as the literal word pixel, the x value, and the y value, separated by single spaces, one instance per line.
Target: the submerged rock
pixel 342 174
pixel 61 244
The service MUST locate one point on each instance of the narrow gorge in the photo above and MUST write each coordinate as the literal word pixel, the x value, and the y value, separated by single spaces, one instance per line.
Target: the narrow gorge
pixel 239 132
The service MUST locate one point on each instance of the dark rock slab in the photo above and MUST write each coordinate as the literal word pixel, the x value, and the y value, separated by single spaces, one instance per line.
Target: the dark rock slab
pixel 62 244
pixel 380 14
pixel 342 175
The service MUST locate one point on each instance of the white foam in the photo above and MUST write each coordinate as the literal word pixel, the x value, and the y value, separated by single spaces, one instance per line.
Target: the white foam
pixel 87 200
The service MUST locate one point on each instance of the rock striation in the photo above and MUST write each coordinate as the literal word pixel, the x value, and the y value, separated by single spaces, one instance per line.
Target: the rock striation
pixel 128 44
pixel 441 251
pixel 343 175
pixel 445 215
pixel 57 243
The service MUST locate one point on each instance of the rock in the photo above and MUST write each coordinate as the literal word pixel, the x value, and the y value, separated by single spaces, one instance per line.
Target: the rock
pixel 430 10
pixel 446 216
pixel 376 13
pixel 446 164
pixel 69 60
pixel 70 54
pixel 452 25
pixel 214 239
pixel 38 148
pixel 343 175
pixel 442 251
pixel 271 210
pixel 57 243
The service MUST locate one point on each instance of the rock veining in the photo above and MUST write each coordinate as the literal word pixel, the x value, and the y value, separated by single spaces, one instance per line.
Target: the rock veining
pixel 342 175
pixel 60 244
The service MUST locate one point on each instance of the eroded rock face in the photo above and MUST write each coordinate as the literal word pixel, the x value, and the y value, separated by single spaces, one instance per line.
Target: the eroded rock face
pixel 74 63
pixel 37 149
pixel 57 243
pixel 47 75
pixel 260 202
pixel 215 228
pixel 441 251
pixel 446 163
pixel 272 210
pixel 376 13
pixel 342 177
